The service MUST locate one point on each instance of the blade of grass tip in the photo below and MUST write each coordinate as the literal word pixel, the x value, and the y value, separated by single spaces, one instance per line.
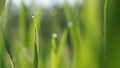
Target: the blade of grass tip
pixel 38 17
pixel 34 35
pixel 61 48
pixel 53 51
pixel 23 24
pixel 68 12
pixel 35 24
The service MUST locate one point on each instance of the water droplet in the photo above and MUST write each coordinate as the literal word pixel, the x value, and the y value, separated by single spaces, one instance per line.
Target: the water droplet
pixel 70 24
pixel 33 16
pixel 54 35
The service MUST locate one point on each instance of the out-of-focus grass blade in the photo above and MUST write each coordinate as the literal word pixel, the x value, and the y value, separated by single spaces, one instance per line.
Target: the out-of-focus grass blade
pixel 23 24
pixel 53 53
pixel 74 34
pixel 55 20
pixel 61 48
pixel 56 56
pixel 4 57
pixel 92 39
pixel 4 60
pixel 21 56
pixel 68 12
pixel 8 48
pixel 104 32
pixel 35 57
pixel 2 4
pixel 36 23
pixel 112 34
pixel 22 48
pixel 3 52
pixel 34 36
pixel 36 50
pixel 5 30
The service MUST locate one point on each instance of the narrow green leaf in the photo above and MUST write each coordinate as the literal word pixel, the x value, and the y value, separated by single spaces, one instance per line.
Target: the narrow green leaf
pixel 53 53
pixel 74 30
pixel 92 38
pixel 112 35
pixel 35 25
pixel 61 48
pixel 23 24
pixel 36 50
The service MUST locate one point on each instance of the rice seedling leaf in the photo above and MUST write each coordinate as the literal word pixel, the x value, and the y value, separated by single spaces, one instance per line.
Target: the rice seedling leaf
pixel 61 48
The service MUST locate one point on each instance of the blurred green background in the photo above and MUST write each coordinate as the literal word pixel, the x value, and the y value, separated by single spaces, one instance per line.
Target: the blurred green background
pixel 59 34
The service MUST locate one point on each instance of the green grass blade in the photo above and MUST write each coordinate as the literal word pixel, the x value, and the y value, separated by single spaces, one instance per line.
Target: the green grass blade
pixel 104 31
pixel 53 52
pixel 35 25
pixel 61 48
pixel 4 60
pixel 35 56
pixel 23 24
pixel 34 36
pixel 36 50
pixel 22 47
pixel 4 57
pixel 92 38
pixel 74 30
pixel 5 31
pixel 112 34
